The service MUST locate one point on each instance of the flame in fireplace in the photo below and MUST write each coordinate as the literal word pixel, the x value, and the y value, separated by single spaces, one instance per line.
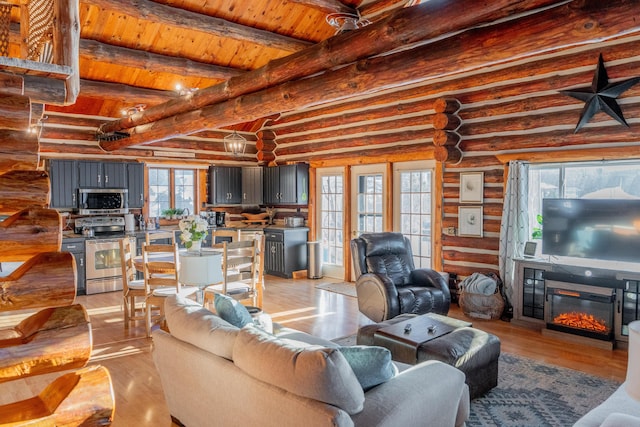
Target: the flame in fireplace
pixel 581 321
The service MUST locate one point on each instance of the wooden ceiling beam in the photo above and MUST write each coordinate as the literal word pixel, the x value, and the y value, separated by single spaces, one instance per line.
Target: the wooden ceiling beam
pixel 124 93
pixel 409 25
pixel 180 18
pixel 380 7
pixel 101 52
pixel 328 6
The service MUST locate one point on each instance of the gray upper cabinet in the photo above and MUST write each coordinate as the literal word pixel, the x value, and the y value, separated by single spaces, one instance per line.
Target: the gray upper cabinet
pixel 102 174
pixel 225 185
pixel 135 184
pixel 66 176
pixel 252 185
pixel 63 175
pixel 288 184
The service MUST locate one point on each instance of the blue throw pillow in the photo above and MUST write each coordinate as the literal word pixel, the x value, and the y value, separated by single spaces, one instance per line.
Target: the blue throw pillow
pixel 232 311
pixel 372 365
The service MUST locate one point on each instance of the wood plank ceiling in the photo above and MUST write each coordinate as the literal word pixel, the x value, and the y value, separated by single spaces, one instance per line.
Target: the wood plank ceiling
pixel 136 53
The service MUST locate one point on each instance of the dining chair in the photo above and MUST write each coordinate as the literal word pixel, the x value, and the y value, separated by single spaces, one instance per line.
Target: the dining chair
pixel 153 237
pixel 241 272
pixel 132 288
pixel 224 235
pixel 160 266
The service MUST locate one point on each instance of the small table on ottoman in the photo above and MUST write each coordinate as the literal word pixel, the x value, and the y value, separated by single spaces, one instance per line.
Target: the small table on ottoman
pixel 453 341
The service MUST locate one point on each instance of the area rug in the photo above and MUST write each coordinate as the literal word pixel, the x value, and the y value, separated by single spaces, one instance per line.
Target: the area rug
pixel 344 288
pixel 534 394
pixel 530 393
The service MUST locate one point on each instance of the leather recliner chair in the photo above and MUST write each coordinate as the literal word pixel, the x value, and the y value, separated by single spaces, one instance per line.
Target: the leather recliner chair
pixel 387 282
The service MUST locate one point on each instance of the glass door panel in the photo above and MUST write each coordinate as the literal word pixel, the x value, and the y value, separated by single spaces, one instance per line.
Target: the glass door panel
pixel 331 220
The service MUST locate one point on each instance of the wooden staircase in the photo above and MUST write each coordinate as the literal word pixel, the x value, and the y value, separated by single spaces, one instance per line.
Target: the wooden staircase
pixel 57 338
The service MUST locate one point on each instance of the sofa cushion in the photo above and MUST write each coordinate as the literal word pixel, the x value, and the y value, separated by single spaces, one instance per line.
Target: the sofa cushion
pixel 315 372
pixel 232 311
pixel 190 322
pixel 372 365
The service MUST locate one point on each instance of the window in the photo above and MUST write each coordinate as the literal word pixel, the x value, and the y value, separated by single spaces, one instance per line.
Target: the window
pixel 331 218
pixel 184 188
pixel 370 206
pixel 414 208
pixel 587 180
pixel 159 194
pixel 171 188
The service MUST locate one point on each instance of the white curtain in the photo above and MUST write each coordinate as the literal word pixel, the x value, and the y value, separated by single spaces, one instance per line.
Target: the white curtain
pixel 515 220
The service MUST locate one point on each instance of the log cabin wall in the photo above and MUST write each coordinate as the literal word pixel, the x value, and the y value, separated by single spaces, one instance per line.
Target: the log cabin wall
pixel 507 80
pixel 506 113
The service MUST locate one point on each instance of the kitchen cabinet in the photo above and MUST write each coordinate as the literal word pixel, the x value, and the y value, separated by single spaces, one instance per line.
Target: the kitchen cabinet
pixel 288 184
pixel 76 247
pixel 285 250
pixel 225 185
pixel 252 185
pixel 102 174
pixel 135 184
pixel 63 176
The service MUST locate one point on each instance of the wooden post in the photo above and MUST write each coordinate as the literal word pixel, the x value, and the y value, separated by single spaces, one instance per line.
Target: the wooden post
pixel 29 232
pixel 15 112
pixel 18 150
pixel 45 280
pixel 23 188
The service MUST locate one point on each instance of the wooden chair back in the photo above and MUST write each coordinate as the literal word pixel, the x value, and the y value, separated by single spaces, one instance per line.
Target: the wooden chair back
pixel 127 253
pixel 242 264
pixel 154 236
pixel 160 266
pixel 233 234
pixel 132 288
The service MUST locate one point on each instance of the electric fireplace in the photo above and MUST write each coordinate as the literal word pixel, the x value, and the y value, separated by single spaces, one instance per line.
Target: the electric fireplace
pixel 580 309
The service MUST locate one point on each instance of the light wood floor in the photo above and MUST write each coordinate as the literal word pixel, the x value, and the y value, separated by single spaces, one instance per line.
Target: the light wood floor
pixel 296 304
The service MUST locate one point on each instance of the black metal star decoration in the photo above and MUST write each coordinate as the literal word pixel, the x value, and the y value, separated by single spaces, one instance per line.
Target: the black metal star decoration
pixel 601 96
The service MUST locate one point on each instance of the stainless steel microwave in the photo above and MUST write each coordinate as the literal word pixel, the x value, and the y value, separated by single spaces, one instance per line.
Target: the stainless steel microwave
pixel 103 201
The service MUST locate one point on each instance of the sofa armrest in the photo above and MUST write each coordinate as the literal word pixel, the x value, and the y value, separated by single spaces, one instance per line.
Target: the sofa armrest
pixel 428 394
pixel 429 278
pixel 377 297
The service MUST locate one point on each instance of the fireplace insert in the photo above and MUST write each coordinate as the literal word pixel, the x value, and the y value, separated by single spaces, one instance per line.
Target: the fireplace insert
pixel 578 309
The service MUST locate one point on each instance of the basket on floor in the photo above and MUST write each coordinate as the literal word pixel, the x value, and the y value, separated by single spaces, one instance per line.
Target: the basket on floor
pixel 481 306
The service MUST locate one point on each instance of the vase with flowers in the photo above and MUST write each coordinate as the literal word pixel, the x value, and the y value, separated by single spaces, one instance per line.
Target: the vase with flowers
pixel 193 231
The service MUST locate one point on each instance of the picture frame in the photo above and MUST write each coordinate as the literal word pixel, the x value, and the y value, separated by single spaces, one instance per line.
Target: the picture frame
pixel 470 221
pixel 471 187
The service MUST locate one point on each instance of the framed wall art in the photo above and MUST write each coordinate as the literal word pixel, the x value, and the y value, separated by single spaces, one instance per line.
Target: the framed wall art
pixel 470 221
pixel 471 187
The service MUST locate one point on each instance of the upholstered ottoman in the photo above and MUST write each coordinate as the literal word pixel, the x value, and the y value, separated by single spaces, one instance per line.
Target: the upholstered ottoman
pixel 471 350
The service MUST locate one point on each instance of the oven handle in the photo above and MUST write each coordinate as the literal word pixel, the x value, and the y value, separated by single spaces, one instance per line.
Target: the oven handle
pixel 101 241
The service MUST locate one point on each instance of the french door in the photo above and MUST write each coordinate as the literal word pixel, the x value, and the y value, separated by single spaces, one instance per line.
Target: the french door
pixel 368 199
pixel 330 220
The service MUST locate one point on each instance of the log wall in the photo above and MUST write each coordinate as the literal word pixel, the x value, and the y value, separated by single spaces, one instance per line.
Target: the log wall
pixel 506 112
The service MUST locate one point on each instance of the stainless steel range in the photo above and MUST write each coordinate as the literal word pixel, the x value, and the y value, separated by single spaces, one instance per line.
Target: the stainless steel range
pixel 103 270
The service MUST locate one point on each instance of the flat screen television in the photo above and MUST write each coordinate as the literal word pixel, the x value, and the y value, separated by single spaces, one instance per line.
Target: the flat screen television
pixel 606 229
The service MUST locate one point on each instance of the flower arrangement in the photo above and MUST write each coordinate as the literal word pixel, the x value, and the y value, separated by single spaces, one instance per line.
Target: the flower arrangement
pixel 193 229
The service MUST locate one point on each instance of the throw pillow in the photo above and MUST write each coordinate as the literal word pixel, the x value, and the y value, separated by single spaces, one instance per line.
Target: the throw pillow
pixel 372 365
pixel 232 311
pixel 311 371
